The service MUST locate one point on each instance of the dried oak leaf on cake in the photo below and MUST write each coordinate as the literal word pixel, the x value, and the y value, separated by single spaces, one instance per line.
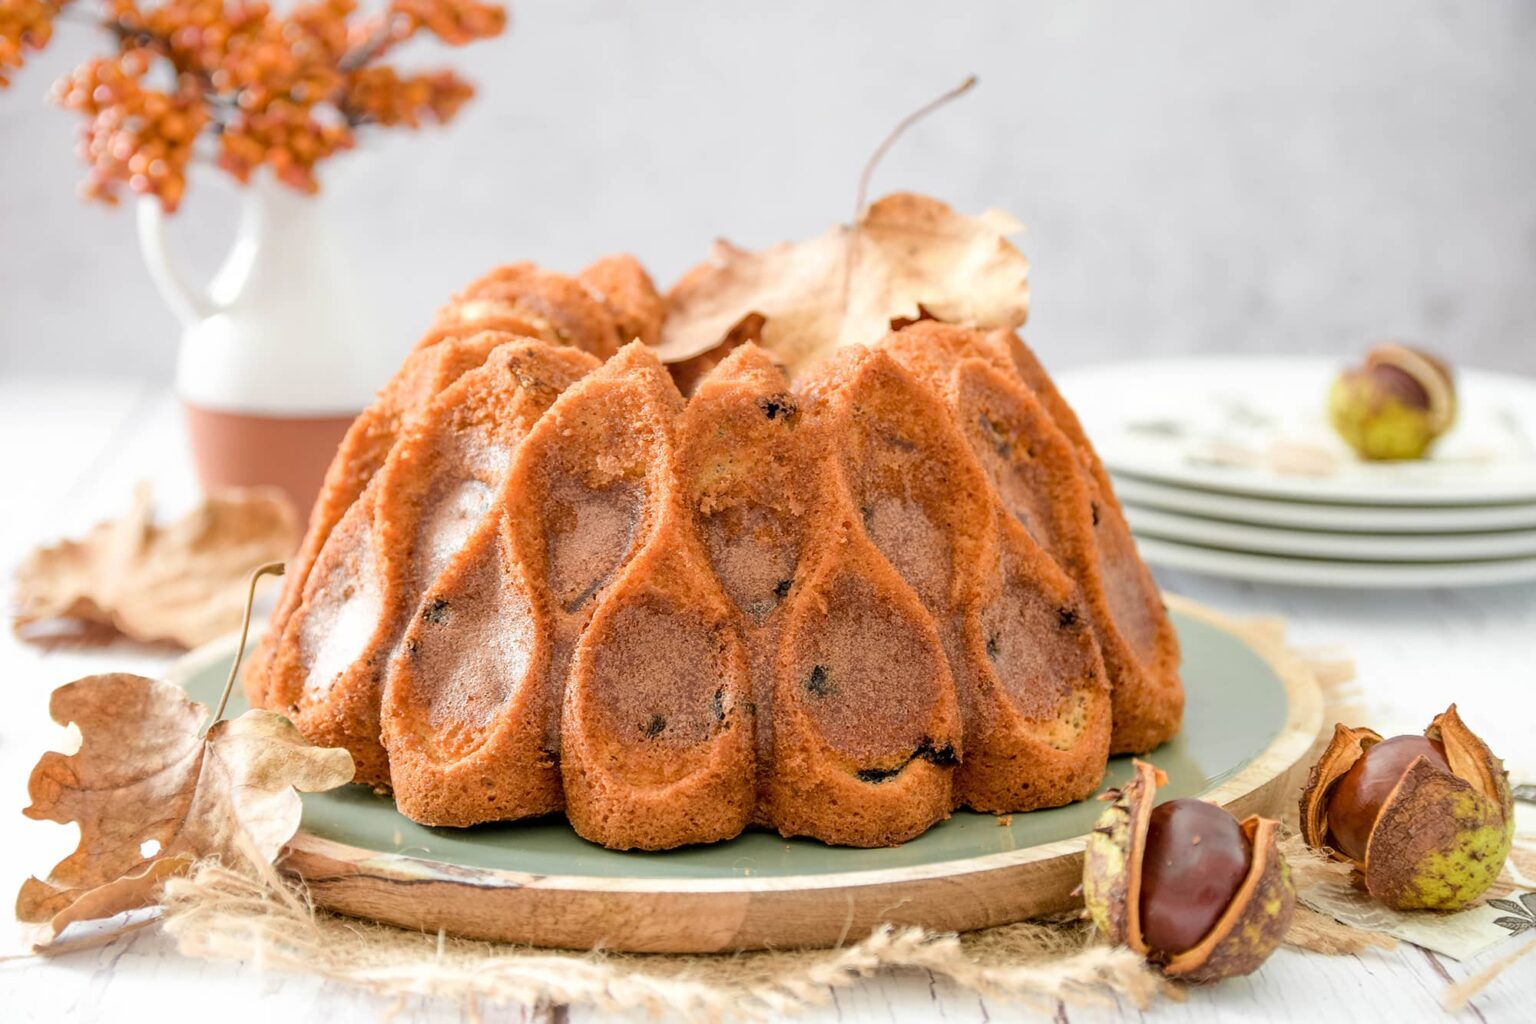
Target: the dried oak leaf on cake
pixel 179 583
pixel 153 796
pixel 908 257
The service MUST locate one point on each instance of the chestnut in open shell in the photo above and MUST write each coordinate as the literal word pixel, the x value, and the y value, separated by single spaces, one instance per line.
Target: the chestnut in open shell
pixel 1394 406
pixel 1427 821
pixel 1186 885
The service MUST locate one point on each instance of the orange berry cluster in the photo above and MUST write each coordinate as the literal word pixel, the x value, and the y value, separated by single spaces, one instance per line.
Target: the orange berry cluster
pixel 455 22
pixel 24 25
pixel 380 95
pixel 274 91
pixel 133 135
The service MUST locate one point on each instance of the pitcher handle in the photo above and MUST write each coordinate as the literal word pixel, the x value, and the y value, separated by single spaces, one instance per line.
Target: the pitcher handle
pixel 190 305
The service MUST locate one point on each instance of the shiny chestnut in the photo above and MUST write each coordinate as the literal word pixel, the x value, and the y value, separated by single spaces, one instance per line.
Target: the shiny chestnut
pixel 1427 821
pixel 1361 792
pixel 1185 884
pixel 1196 859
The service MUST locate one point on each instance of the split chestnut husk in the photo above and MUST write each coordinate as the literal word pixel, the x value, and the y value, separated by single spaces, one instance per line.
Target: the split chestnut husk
pixel 1394 406
pixel 1427 825
pixel 1131 899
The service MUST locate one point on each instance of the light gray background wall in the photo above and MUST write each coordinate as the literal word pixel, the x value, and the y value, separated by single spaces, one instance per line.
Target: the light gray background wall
pixel 1195 176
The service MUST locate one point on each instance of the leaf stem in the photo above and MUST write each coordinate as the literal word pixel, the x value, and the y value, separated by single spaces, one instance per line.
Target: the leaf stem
pixel 851 258
pixel 270 569
pixel 897 132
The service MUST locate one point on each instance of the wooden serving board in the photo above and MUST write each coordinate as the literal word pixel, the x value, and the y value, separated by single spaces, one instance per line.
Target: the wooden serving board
pixel 1255 711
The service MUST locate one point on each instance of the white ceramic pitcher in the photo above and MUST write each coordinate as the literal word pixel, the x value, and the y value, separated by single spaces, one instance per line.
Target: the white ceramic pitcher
pixel 279 353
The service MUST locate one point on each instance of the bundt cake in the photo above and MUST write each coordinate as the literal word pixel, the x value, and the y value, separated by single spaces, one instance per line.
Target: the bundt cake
pixel 541 579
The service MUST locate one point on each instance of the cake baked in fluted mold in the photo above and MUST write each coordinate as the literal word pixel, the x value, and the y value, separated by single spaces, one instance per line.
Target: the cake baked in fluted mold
pixel 542 579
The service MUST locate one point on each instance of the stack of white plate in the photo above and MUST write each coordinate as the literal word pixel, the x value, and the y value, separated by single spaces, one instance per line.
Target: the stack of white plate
pixel 1227 465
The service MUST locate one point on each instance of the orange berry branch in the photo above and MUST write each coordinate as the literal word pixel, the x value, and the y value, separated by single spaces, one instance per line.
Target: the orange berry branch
pixel 284 92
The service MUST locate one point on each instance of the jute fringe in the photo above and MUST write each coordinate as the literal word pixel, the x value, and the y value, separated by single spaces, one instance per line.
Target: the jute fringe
pixel 1319 933
pixel 1456 997
pixel 251 912
pixel 254 914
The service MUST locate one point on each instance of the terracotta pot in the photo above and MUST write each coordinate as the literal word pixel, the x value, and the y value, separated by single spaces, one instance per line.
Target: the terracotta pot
pixel 232 449
pixel 278 354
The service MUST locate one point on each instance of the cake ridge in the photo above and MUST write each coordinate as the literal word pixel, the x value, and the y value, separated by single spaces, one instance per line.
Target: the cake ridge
pixel 656 725
pixel 937 482
pixel 1051 487
pixel 867 727
pixel 362 452
pixel 454 447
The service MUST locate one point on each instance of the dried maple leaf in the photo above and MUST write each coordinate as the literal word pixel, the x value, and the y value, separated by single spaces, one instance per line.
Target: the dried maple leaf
pixel 178 583
pixel 907 256
pixel 152 796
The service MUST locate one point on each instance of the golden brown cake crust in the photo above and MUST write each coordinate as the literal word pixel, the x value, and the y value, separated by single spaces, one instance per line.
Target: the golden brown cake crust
pixel 361 454
pixel 1047 476
pixel 655 729
pixel 1148 713
pixel 329 666
pixel 560 310
pixel 744 476
pixel 541 579
pixel 622 285
pixel 1034 701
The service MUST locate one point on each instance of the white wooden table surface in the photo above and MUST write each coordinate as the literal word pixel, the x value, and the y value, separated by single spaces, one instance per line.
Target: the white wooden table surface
pixel 70 451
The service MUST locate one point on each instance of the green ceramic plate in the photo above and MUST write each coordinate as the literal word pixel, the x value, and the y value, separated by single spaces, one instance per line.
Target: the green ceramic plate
pixel 1236 707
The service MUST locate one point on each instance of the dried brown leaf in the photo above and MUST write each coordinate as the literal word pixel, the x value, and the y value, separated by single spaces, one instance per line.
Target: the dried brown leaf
pixel 152 796
pixel 178 583
pixel 908 256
